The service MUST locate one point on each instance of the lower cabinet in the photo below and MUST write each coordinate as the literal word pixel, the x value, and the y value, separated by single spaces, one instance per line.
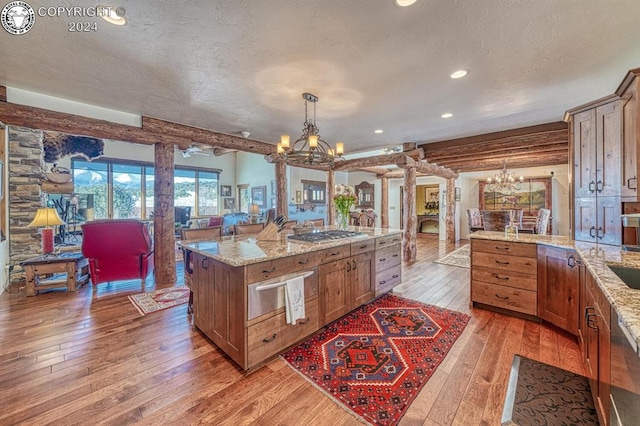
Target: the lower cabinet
pixel 558 287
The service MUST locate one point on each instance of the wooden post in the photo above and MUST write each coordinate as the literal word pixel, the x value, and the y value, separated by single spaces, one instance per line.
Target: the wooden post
pixel 409 201
pixel 450 220
pixel 384 208
pixel 282 205
pixel 331 191
pixel 164 217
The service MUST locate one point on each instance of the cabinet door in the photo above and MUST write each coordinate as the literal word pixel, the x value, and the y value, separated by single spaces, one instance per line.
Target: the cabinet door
pixel 604 368
pixel 609 226
pixel 558 281
pixel 630 150
pixel 334 290
pixel 585 220
pixel 591 337
pixel 584 148
pixel 362 282
pixel 609 148
pixel 202 293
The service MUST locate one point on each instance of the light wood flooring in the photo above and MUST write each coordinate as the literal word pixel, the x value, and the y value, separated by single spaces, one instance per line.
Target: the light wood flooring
pixel 90 358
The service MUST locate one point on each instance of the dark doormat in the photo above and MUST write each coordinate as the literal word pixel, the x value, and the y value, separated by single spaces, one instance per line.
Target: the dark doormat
pixel 540 394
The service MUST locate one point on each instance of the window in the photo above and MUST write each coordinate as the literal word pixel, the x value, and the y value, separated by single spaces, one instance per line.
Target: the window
pixel 314 192
pixel 124 189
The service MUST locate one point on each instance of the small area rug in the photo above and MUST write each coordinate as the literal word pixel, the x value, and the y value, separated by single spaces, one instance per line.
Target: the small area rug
pixel 460 257
pixel 541 394
pixel 158 300
pixel 375 360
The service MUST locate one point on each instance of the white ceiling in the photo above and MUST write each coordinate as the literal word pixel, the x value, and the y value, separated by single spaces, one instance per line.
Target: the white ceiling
pixel 237 65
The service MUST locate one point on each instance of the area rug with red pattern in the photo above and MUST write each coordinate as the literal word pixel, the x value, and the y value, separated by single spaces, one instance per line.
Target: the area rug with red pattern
pixel 158 300
pixel 376 359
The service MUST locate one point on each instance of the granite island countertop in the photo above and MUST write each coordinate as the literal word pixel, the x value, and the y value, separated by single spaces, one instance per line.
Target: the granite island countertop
pixel 596 257
pixel 242 250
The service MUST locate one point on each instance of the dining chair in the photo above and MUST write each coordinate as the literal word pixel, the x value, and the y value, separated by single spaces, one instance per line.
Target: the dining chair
pixel 290 224
pixel 542 221
pixel 495 220
pixel 200 233
pixel 474 219
pixel 248 228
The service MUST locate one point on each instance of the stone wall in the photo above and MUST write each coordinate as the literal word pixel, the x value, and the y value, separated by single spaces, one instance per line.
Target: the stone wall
pixel 26 171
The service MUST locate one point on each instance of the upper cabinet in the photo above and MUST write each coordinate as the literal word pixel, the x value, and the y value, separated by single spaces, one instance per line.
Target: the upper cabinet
pixel 629 92
pixel 364 191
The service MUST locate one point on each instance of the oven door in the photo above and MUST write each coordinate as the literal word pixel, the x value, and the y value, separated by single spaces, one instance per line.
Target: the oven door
pixel 625 376
pixel 268 296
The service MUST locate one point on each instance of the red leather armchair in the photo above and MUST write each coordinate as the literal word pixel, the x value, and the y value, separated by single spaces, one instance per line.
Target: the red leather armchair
pixel 117 249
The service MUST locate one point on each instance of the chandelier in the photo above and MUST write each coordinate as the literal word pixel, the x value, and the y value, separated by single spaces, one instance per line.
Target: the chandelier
pixel 309 149
pixel 505 181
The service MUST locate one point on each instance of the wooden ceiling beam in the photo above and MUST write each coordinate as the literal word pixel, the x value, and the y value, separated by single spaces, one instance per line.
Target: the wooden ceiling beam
pixel 378 160
pixel 513 163
pixel 207 137
pixel 374 170
pixel 497 148
pixel 505 155
pixel 39 118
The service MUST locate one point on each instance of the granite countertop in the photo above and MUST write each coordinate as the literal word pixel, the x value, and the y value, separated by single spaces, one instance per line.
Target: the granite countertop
pixel 596 257
pixel 245 249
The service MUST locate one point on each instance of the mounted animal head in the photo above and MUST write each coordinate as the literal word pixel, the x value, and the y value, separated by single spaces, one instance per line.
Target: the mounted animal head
pixel 57 145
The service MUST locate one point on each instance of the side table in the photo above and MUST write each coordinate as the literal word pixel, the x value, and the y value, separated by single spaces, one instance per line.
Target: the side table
pixel 74 265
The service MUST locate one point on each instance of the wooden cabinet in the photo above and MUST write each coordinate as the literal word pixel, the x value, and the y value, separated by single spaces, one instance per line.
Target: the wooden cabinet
pixel 504 275
pixel 629 91
pixel 344 285
pixel 596 146
pixel 388 267
pixel 597 346
pixel 558 287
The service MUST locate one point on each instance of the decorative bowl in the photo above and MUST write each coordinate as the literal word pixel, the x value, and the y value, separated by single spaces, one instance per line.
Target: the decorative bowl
pixel 298 230
pixel 58 177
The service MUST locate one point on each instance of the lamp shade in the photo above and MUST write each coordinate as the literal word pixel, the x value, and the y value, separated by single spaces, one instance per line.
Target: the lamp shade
pixel 46 216
pixel 254 209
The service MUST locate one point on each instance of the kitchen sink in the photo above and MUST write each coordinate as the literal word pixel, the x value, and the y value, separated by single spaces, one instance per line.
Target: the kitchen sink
pixel 629 276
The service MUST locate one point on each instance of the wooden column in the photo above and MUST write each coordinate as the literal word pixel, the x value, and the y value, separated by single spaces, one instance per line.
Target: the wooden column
pixel 384 208
pixel 450 220
pixel 164 217
pixel 331 191
pixel 282 205
pixel 409 219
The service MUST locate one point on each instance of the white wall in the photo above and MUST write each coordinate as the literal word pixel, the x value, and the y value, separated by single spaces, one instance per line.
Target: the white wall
pixel 253 170
pixel 560 221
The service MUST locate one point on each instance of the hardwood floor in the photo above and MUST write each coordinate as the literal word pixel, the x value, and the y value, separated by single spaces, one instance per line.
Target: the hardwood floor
pixel 89 357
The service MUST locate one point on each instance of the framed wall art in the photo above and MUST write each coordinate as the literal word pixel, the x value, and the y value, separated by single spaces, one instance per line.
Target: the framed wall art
pixel 259 196
pixel 533 195
pixel 225 190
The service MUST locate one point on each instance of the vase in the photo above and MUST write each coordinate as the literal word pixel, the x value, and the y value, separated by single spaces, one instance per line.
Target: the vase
pixel 342 220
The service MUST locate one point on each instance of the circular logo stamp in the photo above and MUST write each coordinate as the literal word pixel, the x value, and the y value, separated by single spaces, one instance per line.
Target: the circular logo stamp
pixel 17 17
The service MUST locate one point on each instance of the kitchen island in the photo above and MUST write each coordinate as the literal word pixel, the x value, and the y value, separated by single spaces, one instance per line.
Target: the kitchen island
pixel 238 286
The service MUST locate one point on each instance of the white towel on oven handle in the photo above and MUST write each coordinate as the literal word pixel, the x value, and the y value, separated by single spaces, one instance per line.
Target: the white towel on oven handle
pixel 294 299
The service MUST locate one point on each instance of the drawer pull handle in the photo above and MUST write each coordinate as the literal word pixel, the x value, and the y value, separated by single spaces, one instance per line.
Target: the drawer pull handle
pixel 635 179
pixel 383 259
pixel 497 295
pixel 501 263
pixel 394 276
pixel 268 271
pixel 335 253
pixel 383 242
pixel 502 248
pixel 363 246
pixel 303 262
pixel 571 262
pixel 499 277
pixel 205 263
pixel 382 282
pixel 270 339
pixel 355 265
pixel 395 240
pixel 303 322
pixel 348 266
pixel 395 255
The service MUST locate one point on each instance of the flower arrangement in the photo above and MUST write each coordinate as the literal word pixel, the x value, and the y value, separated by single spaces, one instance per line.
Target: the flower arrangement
pixel 343 200
pixel 432 206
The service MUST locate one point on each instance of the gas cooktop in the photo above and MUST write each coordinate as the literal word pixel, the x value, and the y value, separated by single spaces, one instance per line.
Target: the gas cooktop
pixel 322 236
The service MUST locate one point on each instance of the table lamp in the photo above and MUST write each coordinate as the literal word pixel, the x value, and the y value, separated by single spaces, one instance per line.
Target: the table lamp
pixel 46 218
pixel 254 210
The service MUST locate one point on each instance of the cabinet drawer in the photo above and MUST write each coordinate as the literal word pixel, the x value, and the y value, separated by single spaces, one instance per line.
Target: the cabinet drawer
pixel 387 257
pixel 503 262
pixel 599 299
pixel 388 279
pixel 509 279
pixel 504 297
pixel 362 247
pixel 335 253
pixel 272 335
pixel 274 268
pixel 382 242
pixel 502 247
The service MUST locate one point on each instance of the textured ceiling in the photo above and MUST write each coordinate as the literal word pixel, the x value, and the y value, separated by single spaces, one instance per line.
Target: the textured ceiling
pixel 243 64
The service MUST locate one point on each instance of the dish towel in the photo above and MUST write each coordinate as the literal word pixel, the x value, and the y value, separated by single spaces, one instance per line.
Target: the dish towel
pixel 294 299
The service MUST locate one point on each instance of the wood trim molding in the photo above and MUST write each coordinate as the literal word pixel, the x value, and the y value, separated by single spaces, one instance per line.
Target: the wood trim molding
pixel 3 94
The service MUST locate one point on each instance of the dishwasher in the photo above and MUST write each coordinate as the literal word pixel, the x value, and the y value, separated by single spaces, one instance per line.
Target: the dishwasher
pixel 625 376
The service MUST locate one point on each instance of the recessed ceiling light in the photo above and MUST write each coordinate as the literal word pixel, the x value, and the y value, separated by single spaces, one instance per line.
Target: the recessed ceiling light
pixel 446 115
pixel 404 3
pixel 114 15
pixel 459 73
pixel 378 131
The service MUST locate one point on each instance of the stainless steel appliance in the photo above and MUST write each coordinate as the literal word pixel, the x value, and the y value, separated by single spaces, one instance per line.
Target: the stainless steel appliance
pixel 268 296
pixel 322 236
pixel 625 376
pixel 632 220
